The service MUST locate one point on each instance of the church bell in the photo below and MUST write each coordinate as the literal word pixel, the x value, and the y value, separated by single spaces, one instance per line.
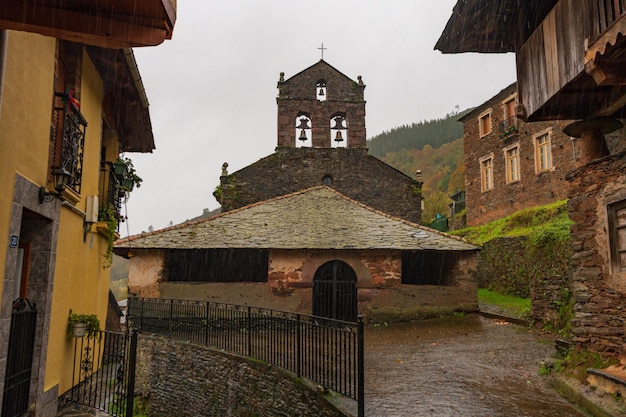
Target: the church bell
pixel 321 93
pixel 339 136
pixel 302 136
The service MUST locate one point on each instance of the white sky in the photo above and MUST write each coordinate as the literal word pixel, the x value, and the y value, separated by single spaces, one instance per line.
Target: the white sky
pixel 212 88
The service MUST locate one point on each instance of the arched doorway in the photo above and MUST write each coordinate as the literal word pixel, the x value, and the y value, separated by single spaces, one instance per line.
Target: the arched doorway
pixel 334 291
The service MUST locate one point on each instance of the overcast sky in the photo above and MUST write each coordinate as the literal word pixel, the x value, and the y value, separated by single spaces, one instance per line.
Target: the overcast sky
pixel 212 87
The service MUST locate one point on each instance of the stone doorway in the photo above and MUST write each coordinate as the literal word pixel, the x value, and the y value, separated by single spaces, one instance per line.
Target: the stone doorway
pixel 334 291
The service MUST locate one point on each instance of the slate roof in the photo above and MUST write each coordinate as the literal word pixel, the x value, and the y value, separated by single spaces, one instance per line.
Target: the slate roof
pixel 315 218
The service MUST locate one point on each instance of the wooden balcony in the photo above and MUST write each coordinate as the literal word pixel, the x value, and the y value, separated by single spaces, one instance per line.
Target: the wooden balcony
pixel 104 23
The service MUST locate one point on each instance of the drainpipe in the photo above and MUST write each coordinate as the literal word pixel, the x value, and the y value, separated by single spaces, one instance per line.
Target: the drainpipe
pixel 4 40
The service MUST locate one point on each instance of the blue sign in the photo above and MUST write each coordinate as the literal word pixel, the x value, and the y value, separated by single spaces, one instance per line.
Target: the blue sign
pixel 15 239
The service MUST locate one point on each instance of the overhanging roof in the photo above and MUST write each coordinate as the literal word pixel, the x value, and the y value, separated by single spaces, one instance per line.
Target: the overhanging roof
pixel 105 23
pixel 491 26
pixel 316 218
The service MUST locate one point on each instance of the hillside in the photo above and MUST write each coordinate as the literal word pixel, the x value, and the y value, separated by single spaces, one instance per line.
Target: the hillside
pixel 436 148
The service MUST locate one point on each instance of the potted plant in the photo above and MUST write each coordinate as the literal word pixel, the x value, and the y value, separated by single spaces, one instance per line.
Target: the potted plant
pixel 126 173
pixel 81 325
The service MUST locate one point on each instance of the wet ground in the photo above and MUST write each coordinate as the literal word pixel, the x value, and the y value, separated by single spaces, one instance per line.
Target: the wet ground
pixel 463 366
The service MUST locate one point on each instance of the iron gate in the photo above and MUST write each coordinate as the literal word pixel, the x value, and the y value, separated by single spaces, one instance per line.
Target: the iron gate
pixel 104 372
pixel 19 358
pixel 334 291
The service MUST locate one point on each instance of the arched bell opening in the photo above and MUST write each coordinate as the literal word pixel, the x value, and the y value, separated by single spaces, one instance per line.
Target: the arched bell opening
pixel 320 90
pixel 334 291
pixel 339 131
pixel 303 131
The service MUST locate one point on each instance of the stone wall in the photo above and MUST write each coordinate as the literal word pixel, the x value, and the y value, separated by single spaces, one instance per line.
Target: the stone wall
pixel 533 188
pixel 352 172
pixel 381 295
pixel 600 293
pixel 181 379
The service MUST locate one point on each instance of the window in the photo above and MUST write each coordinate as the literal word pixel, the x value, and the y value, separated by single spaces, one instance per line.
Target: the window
pixel 543 152
pixel 509 107
pixel 486 173
pixel 484 123
pixel 511 158
pixel 617 235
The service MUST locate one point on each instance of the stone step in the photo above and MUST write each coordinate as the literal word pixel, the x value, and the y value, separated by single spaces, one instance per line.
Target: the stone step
pixel 610 380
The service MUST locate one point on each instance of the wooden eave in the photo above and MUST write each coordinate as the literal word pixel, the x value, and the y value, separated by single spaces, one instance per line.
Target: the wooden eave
pixel 125 106
pixel 491 26
pixel 104 23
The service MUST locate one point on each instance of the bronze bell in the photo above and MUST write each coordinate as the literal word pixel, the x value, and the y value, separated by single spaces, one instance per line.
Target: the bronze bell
pixel 321 93
pixel 339 136
pixel 302 136
pixel 304 124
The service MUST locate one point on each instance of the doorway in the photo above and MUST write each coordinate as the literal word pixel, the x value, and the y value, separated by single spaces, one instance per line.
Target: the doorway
pixel 334 291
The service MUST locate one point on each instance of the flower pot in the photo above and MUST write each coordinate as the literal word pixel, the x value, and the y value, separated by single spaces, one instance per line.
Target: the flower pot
pixel 79 329
pixel 128 184
pixel 120 170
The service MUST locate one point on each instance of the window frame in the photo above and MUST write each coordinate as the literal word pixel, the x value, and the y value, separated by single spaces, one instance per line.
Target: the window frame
pixel 538 148
pixel 614 228
pixel 485 115
pixel 505 106
pixel 486 179
pixel 508 166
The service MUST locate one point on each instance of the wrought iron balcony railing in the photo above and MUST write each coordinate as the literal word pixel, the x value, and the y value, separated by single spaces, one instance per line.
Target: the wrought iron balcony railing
pixel 111 193
pixel 508 127
pixel 68 138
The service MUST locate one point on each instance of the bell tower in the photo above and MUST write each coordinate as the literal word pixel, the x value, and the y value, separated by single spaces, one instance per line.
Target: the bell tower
pixel 321 108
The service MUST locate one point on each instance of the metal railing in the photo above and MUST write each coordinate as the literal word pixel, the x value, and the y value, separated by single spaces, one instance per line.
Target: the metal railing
pixel 328 352
pixel 508 127
pixel 103 376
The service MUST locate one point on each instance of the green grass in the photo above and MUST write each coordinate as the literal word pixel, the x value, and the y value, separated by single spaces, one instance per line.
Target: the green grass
pixel 521 223
pixel 515 306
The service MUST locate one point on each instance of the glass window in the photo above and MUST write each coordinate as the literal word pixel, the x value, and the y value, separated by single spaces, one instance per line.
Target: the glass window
pixel 617 235
pixel 484 124
pixel 543 153
pixel 512 164
pixel 486 173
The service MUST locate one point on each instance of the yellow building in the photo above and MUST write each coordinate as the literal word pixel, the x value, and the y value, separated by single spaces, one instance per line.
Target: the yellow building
pixel 71 101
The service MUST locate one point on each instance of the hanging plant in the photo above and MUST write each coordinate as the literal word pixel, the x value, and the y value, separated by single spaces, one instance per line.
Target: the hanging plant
pixel 109 216
pixel 79 325
pixel 128 177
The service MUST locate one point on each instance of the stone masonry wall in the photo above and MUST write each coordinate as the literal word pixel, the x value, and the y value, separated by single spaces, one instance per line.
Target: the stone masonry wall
pixel 297 96
pixel 533 189
pixel 353 173
pixel 600 294
pixel 182 379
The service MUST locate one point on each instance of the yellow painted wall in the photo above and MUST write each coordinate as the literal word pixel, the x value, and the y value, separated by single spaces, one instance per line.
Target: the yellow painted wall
pixel 81 283
pixel 24 119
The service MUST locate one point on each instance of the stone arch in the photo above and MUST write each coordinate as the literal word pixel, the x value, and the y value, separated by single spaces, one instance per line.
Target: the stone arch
pixel 335 291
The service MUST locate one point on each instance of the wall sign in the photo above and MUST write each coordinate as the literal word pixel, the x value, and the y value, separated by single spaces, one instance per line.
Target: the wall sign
pixel 15 239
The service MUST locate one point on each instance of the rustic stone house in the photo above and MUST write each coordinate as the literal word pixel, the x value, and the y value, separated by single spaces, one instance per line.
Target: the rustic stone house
pixel 321 140
pixel 570 66
pixel 510 164
pixel 315 251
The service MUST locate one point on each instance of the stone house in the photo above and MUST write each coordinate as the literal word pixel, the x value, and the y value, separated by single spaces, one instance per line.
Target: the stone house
pixel 315 251
pixel 570 67
pixel 71 100
pixel 510 164
pixel 321 140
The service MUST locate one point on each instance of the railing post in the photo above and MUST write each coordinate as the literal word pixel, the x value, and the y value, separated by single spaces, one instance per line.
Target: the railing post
pixel 206 325
pixel 130 393
pixel 249 324
pixel 172 318
pixel 361 366
pixel 298 346
pixel 141 316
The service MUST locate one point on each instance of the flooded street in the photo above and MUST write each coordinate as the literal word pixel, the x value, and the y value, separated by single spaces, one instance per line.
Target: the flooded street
pixel 466 366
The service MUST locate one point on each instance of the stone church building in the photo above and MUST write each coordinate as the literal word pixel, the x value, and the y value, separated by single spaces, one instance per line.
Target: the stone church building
pixel 318 227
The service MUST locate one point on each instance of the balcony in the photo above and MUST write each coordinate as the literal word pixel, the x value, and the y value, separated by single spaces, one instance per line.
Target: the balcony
pixel 67 139
pixel 508 128
pixel 112 195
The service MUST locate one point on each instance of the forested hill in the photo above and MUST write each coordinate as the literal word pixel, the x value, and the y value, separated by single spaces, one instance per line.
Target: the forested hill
pixel 415 136
pixel 436 148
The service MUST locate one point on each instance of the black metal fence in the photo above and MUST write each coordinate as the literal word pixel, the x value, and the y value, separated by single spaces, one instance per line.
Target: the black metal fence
pixel 328 352
pixel 104 373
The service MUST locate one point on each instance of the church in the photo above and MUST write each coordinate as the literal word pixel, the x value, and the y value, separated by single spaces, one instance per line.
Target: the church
pixel 318 227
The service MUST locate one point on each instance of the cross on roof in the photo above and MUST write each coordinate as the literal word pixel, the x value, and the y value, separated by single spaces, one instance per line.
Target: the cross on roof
pixel 322 49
